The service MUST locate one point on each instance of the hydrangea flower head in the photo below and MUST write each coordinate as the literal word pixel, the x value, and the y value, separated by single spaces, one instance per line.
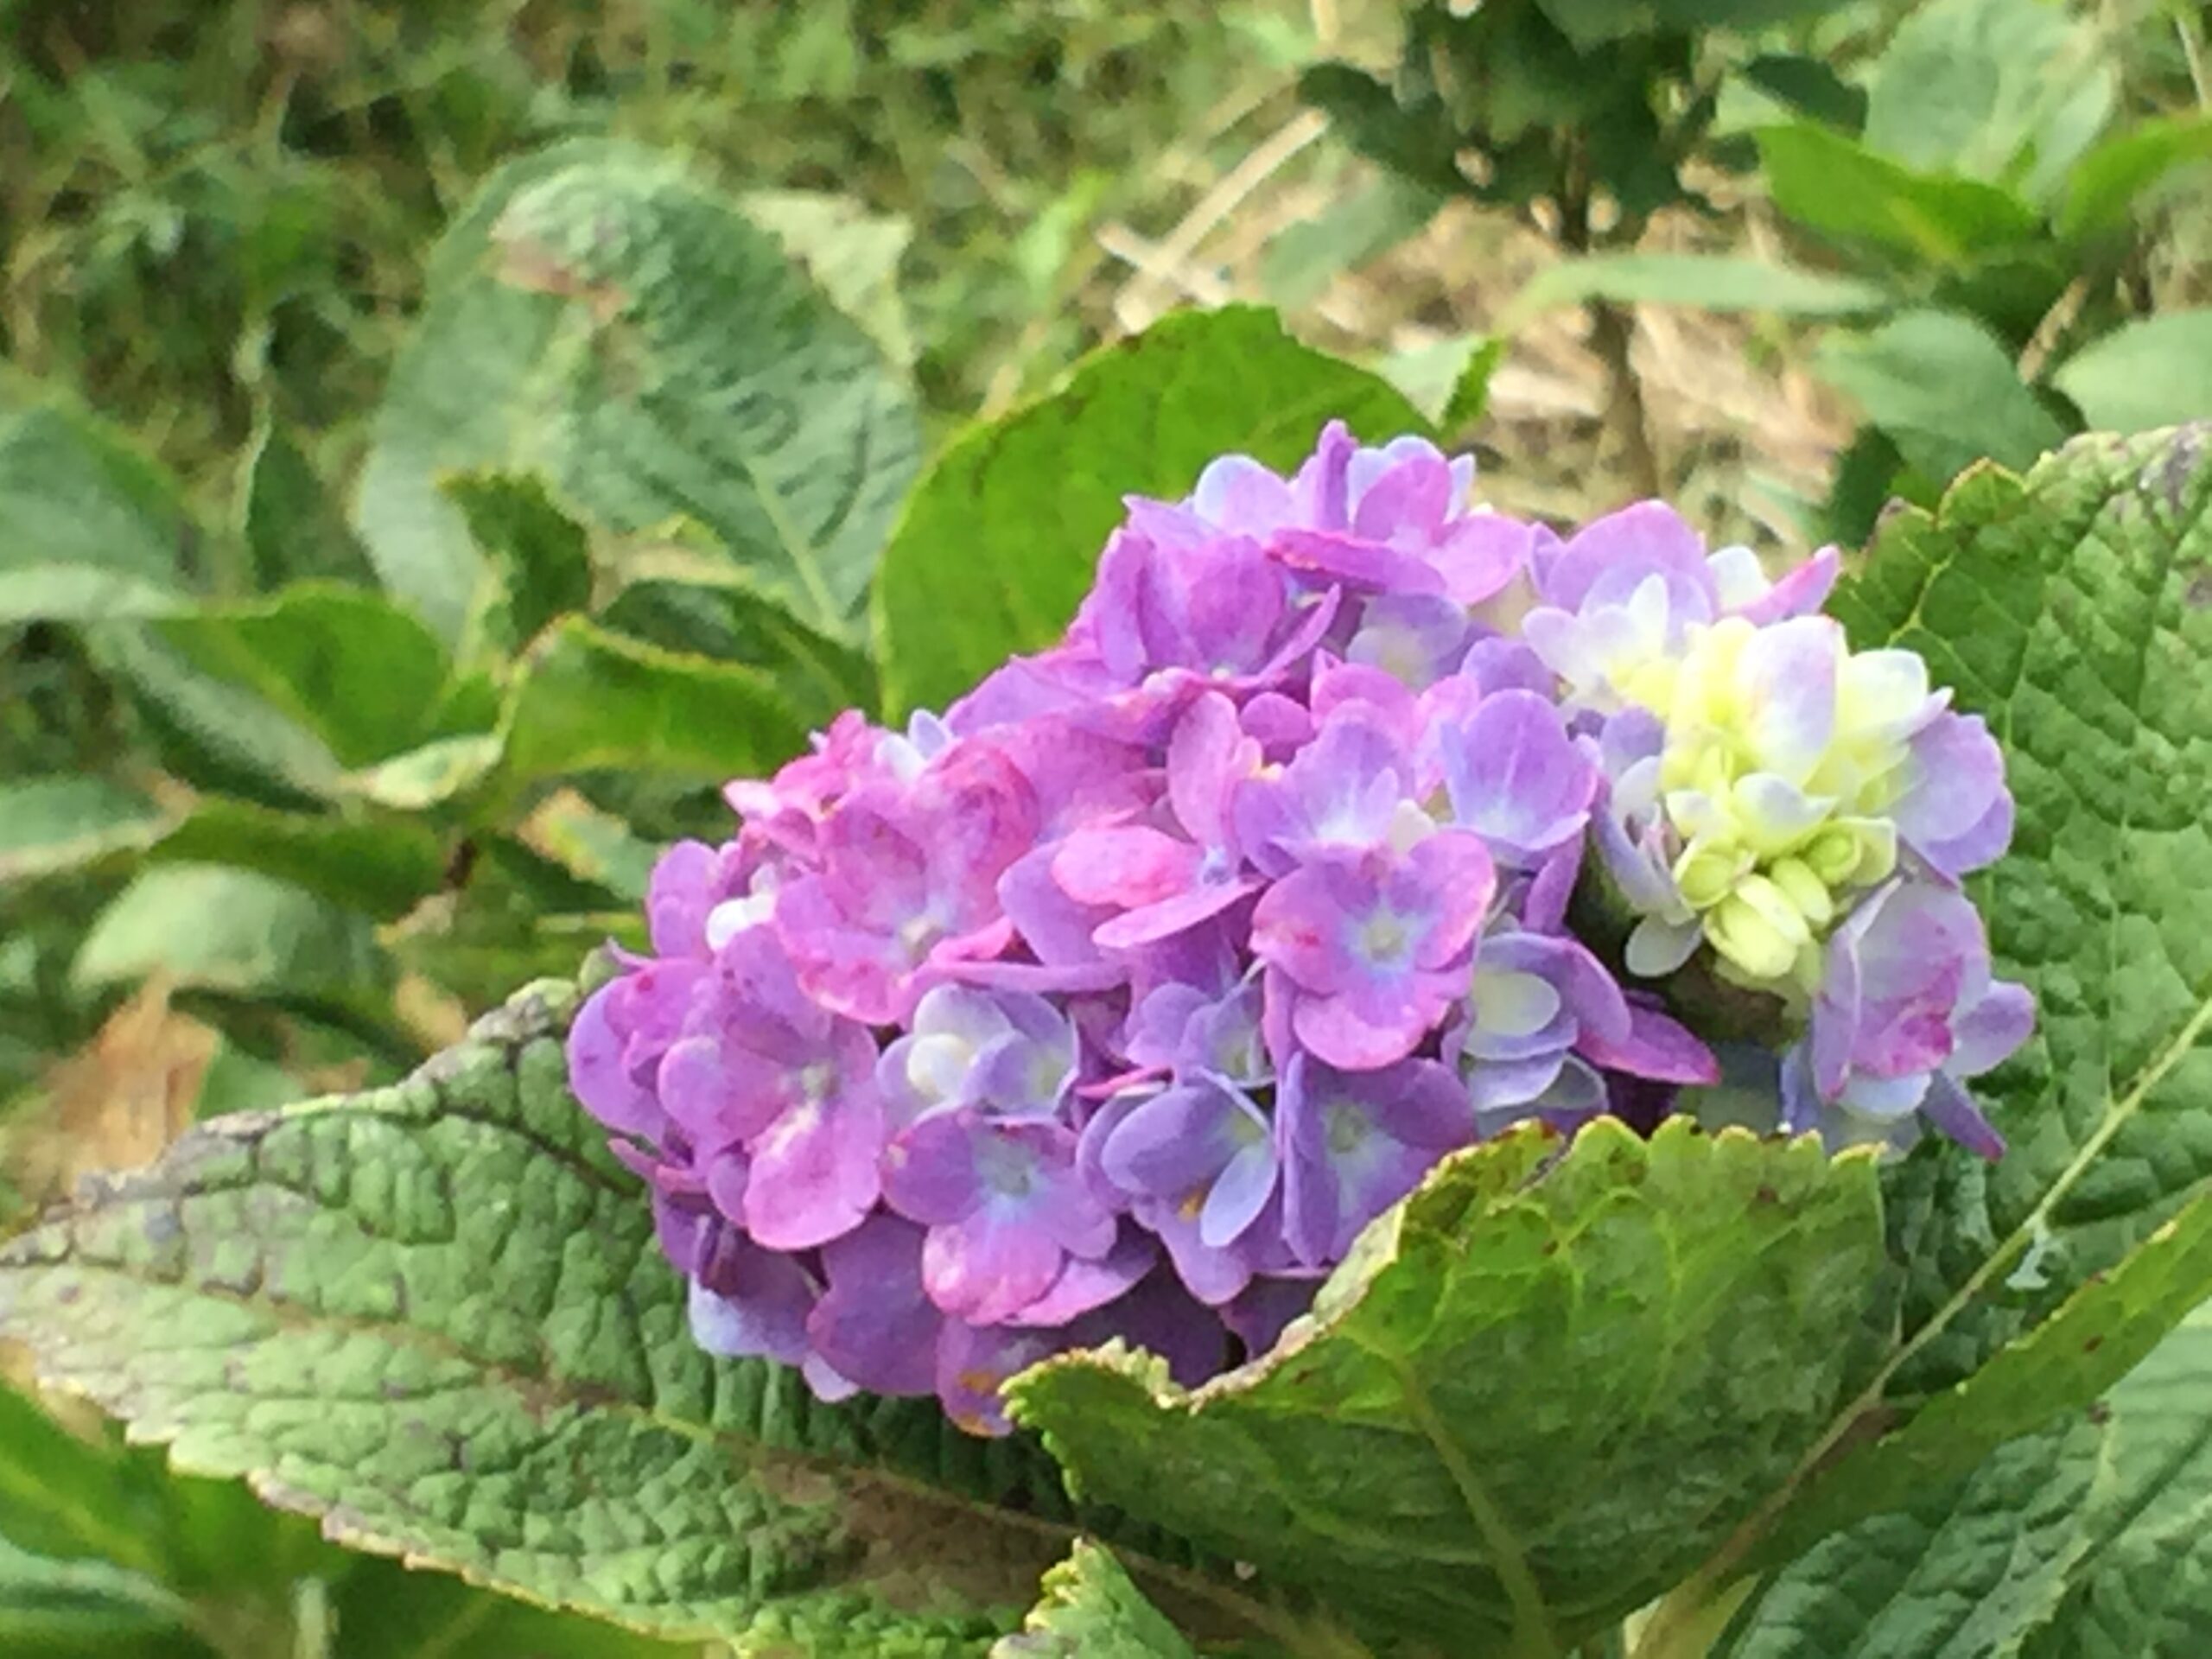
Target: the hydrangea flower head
pixel 1119 999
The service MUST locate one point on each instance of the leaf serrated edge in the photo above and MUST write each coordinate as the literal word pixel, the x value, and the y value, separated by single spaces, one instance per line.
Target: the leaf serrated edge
pixel 1378 1247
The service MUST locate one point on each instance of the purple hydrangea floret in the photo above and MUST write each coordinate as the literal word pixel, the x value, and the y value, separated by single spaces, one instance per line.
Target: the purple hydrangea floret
pixel 1349 824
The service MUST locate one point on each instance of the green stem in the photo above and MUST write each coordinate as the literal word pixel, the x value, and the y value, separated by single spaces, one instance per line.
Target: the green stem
pixel 1689 1621
pixel 1613 331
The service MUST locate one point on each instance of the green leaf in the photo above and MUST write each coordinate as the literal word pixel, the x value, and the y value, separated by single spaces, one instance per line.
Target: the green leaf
pixel 429 776
pixel 2093 1339
pixel 677 595
pixel 436 1317
pixel 89 528
pixel 64 1497
pixel 216 735
pixel 1843 190
pixel 80 1495
pixel 1001 538
pixel 598 317
pixel 383 1611
pixel 61 825
pixel 2105 183
pixel 382 867
pixel 2068 608
pixel 1707 282
pixel 1447 381
pixel 1301 262
pixel 2085 1541
pixel 1534 1394
pixel 351 667
pixel 235 932
pixel 1805 85
pixel 53 1608
pixel 593 846
pixel 853 254
pixel 2155 372
pixel 584 698
pixel 294 527
pixel 543 554
pixel 1944 390
pixel 52 824
pixel 98 1541
pixel 1091 1611
pixel 1594 23
pixel 2008 91
pixel 1419 143
pixel 496 940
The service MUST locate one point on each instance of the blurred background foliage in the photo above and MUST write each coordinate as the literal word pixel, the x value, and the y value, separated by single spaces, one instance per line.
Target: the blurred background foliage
pixel 369 613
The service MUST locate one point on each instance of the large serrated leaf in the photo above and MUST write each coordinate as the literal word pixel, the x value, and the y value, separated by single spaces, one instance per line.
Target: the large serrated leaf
pixel 98 1540
pixel 1533 1397
pixel 1000 541
pixel 2070 607
pixel 2088 1540
pixel 435 1316
pixel 598 316
pixel 2090 1343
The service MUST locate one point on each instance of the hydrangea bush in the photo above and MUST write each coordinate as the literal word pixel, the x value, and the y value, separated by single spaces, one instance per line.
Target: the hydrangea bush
pixel 1308 973
pixel 1349 825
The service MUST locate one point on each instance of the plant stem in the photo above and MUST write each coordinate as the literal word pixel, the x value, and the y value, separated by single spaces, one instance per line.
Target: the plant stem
pixel 1687 1622
pixel 2193 55
pixel 1612 332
